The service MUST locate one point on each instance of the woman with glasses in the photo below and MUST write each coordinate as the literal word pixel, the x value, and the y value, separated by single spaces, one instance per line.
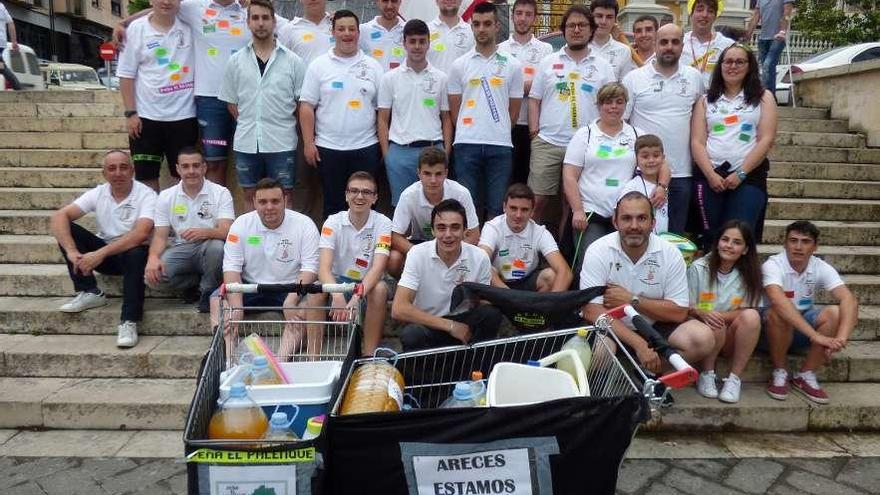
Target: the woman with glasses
pixel 732 130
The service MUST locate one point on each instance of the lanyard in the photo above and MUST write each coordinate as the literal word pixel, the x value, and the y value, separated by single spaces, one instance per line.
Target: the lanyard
pixel 705 56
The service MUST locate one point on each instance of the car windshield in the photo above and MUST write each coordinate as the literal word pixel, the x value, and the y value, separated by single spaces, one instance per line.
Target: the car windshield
pixel 80 76
pixel 824 55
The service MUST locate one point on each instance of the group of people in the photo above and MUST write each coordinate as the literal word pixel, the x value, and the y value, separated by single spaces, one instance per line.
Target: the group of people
pixel 617 128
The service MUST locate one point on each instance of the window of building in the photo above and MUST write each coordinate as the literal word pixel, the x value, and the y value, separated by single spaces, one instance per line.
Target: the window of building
pixel 96 4
pixel 116 8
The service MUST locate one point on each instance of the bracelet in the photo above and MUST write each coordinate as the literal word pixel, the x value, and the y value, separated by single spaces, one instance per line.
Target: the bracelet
pixel 451 326
pixel 741 174
pixel 664 186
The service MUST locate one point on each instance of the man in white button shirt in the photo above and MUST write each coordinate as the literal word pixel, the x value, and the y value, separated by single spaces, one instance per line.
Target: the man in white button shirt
pixel 661 101
pixel 643 270
pixel 338 112
pixel 155 72
pixel 604 45
pixel 792 280
pixel 451 37
pixel 529 50
pixel 123 211
pixel 514 242
pixel 412 217
pixel 485 92
pixel 382 36
pixel 194 215
pixel 261 86
pixel 354 247
pixel 413 111
pixel 271 245
pixel 562 100
pixel 433 269
pixel 702 46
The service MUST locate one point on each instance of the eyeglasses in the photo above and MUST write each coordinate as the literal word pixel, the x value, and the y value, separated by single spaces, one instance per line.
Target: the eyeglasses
pixel 736 62
pixel 367 193
pixel 577 25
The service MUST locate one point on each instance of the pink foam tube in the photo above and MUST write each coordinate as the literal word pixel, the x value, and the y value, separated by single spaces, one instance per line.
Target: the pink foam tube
pixel 259 348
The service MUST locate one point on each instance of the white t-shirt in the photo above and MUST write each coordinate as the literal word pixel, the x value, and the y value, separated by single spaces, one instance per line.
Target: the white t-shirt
pixel 447 44
pixel 663 106
pixel 558 77
pixel 800 288
pixel 516 253
pixel 218 31
pixel 727 294
pixel 307 39
pixel 733 130
pixel 386 46
pixel 424 264
pixel 617 54
pixel 271 256
pixel 177 210
pixel 413 213
pixel 703 56
pixel 661 215
pixel 608 162
pixel 115 219
pixel 416 100
pixel 343 92
pixel 529 55
pixel 659 274
pixel 354 250
pixel 161 65
pixel 486 85
pixel 5 19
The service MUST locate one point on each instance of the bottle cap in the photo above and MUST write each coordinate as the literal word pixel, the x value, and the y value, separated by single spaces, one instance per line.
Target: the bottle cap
pixel 476 375
pixel 315 424
pixel 237 390
pixel 260 362
pixel 462 391
pixel 583 332
pixel 279 419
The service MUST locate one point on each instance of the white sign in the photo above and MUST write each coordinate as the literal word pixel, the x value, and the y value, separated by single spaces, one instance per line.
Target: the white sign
pixel 478 473
pixel 253 480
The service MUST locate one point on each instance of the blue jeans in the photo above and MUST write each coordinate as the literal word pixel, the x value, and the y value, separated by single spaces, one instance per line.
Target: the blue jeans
pixel 336 166
pixel 402 168
pixel 769 52
pixel 251 167
pixel 745 203
pixel 679 198
pixel 216 125
pixel 484 169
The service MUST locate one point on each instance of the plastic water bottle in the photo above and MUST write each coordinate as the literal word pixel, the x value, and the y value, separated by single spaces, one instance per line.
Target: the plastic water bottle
pixel 279 428
pixel 238 417
pixel 581 347
pixel 478 388
pixel 462 396
pixel 261 374
pixel 313 427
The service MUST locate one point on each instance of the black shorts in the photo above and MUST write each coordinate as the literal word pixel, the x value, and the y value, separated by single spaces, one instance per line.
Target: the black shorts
pixel 161 140
pixel 526 283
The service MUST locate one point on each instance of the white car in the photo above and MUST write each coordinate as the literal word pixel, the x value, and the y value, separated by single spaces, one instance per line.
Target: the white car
pixel 24 65
pixel 834 57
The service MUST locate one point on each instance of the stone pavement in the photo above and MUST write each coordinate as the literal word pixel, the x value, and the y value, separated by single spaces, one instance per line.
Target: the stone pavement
pixel 789 476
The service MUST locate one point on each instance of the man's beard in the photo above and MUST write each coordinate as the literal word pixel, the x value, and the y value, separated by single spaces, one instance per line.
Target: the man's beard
pixel 576 48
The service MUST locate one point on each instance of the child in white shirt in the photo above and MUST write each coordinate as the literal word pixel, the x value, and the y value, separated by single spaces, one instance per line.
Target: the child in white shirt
pixel 650 158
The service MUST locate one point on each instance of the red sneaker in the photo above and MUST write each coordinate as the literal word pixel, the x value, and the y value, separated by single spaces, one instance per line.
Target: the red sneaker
pixel 806 384
pixel 778 387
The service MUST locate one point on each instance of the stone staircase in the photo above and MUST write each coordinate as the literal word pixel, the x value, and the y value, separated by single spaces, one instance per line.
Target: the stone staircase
pixel 60 371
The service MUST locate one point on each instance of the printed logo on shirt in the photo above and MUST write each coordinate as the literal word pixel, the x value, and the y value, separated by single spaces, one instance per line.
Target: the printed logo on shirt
pixel 462 271
pixel 367 245
pixel 125 212
pixel 460 39
pixel 204 211
pixel 360 71
pixel 283 251
pixel 651 266
pixel 429 83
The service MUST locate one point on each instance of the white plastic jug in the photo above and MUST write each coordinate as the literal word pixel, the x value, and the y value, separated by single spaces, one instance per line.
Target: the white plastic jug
pixel 569 360
pixel 513 384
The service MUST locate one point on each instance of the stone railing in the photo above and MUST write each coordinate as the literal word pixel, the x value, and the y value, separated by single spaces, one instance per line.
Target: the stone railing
pixel 800 46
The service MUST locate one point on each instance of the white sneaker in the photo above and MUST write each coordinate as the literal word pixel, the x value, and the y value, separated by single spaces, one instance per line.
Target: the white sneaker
pixel 83 301
pixel 706 385
pixel 127 334
pixel 730 391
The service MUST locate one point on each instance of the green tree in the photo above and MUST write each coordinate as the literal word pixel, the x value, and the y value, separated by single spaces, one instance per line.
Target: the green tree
pixel 823 20
pixel 135 6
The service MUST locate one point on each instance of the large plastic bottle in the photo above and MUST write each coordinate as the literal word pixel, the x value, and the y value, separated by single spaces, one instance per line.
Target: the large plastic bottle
pixel 279 428
pixel 238 417
pixel 581 347
pixel 313 427
pixel 462 396
pixel 261 373
pixel 478 388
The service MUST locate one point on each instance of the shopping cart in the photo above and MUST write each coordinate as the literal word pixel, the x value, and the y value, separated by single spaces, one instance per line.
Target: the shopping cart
pixel 287 467
pixel 566 446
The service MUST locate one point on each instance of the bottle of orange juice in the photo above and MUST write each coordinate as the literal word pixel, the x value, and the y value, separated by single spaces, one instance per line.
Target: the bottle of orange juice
pixel 238 417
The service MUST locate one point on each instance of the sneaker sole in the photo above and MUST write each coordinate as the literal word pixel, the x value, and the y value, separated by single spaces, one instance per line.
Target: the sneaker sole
pixel 817 400
pixel 707 396
pixel 777 396
pixel 93 306
pixel 125 346
pixel 729 401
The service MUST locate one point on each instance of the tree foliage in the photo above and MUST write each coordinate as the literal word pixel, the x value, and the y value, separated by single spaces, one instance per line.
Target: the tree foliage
pixel 135 6
pixel 857 22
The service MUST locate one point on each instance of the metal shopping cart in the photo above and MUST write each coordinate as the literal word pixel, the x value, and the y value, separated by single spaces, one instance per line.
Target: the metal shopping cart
pixel 302 335
pixel 567 446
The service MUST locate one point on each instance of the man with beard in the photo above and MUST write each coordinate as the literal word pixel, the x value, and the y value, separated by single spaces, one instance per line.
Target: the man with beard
pixel 261 86
pixel 642 270
pixel 382 37
pixel 661 100
pixel 451 37
pixel 702 46
pixel 645 37
pixel 618 54
pixel 529 50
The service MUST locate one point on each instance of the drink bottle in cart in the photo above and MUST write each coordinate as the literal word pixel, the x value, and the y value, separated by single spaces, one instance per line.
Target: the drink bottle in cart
pixel 581 347
pixel 238 417
pixel 261 373
pixel 279 428
pixel 462 396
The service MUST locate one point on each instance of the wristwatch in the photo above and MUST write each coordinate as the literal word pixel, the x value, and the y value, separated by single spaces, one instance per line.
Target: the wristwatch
pixel 129 113
pixel 742 175
pixel 634 301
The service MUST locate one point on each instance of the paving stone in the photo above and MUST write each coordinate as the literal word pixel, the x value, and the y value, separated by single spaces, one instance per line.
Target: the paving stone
pixel 71 482
pixel 858 444
pixel 782 489
pixel 695 485
pixel 153 444
pixel 634 476
pixel 5 435
pixel 151 490
pixel 28 488
pixel 754 475
pixel 782 445
pixel 103 468
pixel 676 446
pixel 66 443
pixel 177 484
pixel 861 472
pixel 826 468
pixel 143 476
pixel 703 467
pixel 815 484
pixel 27 469
pixel 661 489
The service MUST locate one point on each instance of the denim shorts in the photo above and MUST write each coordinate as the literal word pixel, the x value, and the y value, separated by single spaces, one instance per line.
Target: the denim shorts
pixel 251 167
pixel 216 125
pixel 799 341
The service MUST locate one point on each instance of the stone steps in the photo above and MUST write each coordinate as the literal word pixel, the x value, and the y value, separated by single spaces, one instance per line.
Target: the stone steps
pixel 60 110
pixel 50 177
pixel 827 171
pixel 94 124
pixel 823 188
pixel 833 232
pixel 61 97
pixel 51 158
pixel 34 222
pixel 822 138
pixel 797 153
pixel 66 140
pixel 846 259
pixel 38 198
pixel 824 209
pixel 802 113
pixel 812 125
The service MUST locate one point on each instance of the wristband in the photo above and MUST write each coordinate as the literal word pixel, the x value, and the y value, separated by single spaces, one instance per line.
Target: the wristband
pixel 451 325
pixel 663 186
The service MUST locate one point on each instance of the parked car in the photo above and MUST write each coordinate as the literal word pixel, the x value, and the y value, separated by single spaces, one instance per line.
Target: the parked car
pixel 59 76
pixel 834 57
pixel 114 81
pixel 24 65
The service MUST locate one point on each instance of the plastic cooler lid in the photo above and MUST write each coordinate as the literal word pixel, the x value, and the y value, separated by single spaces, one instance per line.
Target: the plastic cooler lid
pixel 312 384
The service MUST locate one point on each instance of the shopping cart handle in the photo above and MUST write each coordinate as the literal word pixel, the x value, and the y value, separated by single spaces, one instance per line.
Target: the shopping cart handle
pixel 287 288
pixel 681 378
